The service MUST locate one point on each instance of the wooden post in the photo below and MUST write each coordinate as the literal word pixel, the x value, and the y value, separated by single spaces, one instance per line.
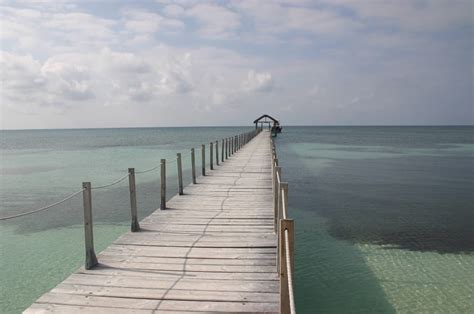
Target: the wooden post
pixel 222 151
pixel 217 153
pixel 232 146
pixel 203 159
pixel 276 197
pixel 135 227
pixel 226 149
pixel 180 174
pixel 278 210
pixel 91 258
pixel 284 194
pixel 193 165
pixel 211 156
pixel 163 184
pixel 285 224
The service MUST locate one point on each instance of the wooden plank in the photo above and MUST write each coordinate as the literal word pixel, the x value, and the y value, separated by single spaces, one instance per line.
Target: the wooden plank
pixel 189 261
pixel 166 283
pixel 162 294
pixel 154 304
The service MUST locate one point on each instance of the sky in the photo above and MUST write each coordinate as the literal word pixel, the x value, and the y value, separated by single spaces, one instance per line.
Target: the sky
pixel 94 64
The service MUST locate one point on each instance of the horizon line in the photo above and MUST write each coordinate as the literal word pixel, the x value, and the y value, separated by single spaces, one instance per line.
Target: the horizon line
pixel 240 126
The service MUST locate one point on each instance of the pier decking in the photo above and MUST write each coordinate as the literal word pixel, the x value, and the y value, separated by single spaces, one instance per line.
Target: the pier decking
pixel 213 249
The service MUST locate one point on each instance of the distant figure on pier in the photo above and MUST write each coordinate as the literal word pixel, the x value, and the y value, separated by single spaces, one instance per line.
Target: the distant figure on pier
pixel 275 128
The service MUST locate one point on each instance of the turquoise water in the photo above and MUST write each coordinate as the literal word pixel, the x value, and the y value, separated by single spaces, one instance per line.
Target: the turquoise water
pixel 383 214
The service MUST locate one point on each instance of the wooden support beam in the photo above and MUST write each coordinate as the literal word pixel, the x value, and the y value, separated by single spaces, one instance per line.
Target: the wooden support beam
pixel 91 259
pixel 163 184
pixel 135 227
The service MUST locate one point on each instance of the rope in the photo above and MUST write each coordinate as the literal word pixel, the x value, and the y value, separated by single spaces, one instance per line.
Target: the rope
pixel 113 183
pixel 43 208
pixel 183 156
pixel 148 170
pixel 289 273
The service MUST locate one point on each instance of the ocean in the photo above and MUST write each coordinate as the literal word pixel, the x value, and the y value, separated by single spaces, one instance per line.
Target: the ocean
pixel 383 215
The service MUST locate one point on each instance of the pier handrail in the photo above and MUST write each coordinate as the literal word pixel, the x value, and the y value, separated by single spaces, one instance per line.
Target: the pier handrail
pixel 44 207
pixel 284 228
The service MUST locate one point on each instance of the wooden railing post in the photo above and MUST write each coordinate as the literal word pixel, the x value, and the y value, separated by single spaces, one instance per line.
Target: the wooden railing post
pixel 285 224
pixel 163 184
pixel 135 227
pixel 193 165
pixel 211 156
pixel 91 258
pixel 180 173
pixel 278 208
pixel 226 149
pixel 217 153
pixel 276 197
pixel 222 151
pixel 203 159
pixel 284 197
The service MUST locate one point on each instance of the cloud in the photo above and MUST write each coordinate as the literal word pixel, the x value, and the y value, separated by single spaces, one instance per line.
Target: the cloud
pixel 191 59
pixel 144 22
pixel 273 20
pixel 173 10
pixel 43 29
pixel 67 81
pixel 258 82
pixel 215 22
pixel 423 15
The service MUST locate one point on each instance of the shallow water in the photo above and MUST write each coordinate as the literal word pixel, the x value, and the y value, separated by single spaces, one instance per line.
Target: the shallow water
pixel 383 214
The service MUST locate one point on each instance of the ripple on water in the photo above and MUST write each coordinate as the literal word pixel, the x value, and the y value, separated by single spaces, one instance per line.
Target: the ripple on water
pixel 423 281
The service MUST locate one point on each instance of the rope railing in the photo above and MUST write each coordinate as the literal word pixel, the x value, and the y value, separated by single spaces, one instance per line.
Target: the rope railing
pixel 148 170
pixel 284 228
pixel 43 208
pixel 229 146
pixel 111 184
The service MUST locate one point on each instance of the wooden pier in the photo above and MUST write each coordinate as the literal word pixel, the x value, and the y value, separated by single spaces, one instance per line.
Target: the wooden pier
pixel 217 246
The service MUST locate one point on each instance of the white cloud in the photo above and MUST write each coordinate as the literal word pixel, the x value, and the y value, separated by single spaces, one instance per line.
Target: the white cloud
pixel 66 81
pixel 144 22
pixel 215 21
pixel 258 82
pixel 173 10
pixel 273 19
pixel 423 15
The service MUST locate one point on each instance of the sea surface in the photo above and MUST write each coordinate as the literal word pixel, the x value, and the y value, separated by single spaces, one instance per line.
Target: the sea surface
pixel 384 216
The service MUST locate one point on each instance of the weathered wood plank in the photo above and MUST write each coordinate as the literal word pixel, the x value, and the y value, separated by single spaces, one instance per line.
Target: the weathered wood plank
pixel 154 304
pixel 189 294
